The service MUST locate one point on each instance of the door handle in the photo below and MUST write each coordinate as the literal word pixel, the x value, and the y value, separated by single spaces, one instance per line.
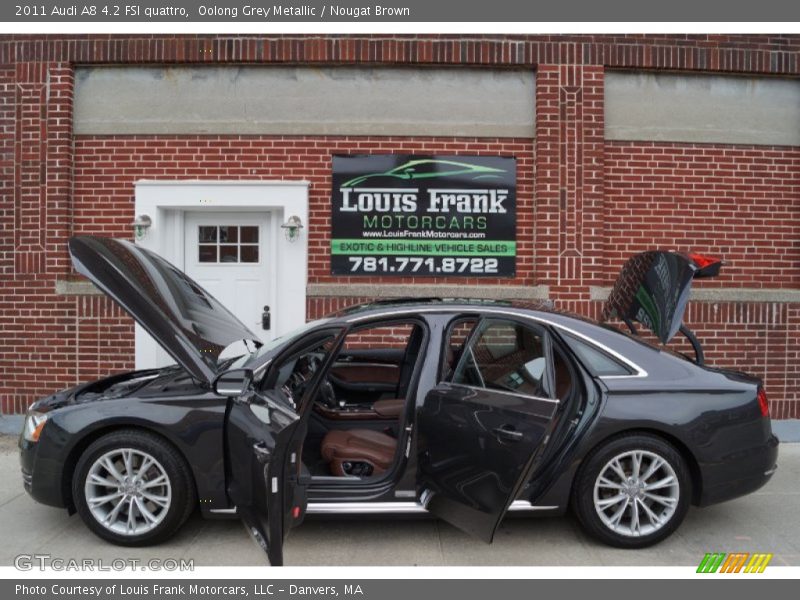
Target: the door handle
pixel 266 319
pixel 508 433
pixel 262 453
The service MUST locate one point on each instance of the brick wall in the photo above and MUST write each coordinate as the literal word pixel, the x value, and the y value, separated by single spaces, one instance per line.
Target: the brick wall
pixel 741 203
pixel 574 188
pixel 106 169
pixel 736 202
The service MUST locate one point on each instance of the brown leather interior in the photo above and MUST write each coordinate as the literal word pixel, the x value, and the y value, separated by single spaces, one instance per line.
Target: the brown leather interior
pixel 390 408
pixel 358 445
pixel 355 373
pixel 387 410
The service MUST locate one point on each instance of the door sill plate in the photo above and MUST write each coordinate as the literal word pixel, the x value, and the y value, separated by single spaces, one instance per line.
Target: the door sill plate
pixel 356 508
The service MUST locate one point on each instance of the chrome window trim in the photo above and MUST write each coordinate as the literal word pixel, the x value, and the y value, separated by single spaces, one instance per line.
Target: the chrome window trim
pixel 639 372
pixel 504 392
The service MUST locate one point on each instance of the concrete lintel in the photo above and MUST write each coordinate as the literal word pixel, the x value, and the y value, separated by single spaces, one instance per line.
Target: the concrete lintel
pixel 597 292
pixel 65 287
pixel 721 109
pixel 494 292
pixel 290 100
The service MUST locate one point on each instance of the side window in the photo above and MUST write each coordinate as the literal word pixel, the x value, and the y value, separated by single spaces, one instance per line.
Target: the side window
pixel 376 362
pixel 505 355
pixel 594 359
pixel 295 374
pixel 455 340
pixel 562 374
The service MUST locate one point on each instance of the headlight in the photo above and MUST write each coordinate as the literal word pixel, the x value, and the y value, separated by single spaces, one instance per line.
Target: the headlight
pixel 34 423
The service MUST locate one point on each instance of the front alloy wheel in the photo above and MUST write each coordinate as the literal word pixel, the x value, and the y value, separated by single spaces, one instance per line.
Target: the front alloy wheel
pixel 132 487
pixel 633 491
pixel 128 491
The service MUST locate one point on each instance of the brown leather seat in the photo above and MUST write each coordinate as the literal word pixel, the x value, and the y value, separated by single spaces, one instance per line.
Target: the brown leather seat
pixel 358 446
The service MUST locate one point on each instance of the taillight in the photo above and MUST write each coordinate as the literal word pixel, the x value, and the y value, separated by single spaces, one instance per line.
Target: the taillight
pixel 707 266
pixel 763 404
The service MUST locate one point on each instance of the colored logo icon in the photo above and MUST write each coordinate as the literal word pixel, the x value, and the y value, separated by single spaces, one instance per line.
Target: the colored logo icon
pixel 736 562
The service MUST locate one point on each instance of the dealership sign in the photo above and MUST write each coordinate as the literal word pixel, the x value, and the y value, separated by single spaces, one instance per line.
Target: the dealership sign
pixel 400 215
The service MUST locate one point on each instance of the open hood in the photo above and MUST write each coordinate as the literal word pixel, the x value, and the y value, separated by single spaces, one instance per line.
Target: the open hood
pixel 186 320
pixel 653 289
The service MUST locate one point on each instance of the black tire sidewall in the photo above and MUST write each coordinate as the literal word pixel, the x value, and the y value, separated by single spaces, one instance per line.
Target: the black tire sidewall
pixel 583 491
pixel 175 467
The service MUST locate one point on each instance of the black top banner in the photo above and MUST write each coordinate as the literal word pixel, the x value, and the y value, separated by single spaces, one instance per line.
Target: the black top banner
pixel 446 11
pixel 401 215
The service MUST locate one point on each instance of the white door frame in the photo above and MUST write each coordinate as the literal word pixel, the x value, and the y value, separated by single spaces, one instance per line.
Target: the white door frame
pixel 166 202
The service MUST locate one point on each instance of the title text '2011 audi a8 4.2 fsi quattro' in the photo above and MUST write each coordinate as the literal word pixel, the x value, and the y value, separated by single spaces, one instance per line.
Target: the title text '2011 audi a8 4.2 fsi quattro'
pixel 463 409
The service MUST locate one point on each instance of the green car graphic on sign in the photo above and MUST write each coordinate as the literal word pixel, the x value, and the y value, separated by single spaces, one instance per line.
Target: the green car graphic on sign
pixel 417 169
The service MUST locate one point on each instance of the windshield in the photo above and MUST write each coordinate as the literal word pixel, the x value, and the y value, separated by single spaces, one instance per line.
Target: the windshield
pixel 259 357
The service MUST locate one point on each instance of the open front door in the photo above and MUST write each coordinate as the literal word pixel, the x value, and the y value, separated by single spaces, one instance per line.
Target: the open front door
pixel 259 433
pixel 264 431
pixel 480 433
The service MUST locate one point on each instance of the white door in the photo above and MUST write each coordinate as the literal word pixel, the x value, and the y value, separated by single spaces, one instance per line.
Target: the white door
pixel 230 255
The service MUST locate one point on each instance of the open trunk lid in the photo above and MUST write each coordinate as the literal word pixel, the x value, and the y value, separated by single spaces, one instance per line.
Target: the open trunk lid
pixel 653 289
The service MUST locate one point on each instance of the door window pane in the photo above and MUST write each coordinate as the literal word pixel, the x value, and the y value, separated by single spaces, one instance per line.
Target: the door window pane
pixel 248 235
pixel 248 254
pixel 228 234
pixel 228 254
pixel 507 356
pixel 208 233
pixel 228 244
pixel 456 340
pixel 207 254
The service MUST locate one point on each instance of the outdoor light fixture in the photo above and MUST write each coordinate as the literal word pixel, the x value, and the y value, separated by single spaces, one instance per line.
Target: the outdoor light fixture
pixel 292 228
pixel 140 226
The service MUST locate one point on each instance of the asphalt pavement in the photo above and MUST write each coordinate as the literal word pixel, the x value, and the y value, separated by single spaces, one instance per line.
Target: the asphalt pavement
pixel 767 521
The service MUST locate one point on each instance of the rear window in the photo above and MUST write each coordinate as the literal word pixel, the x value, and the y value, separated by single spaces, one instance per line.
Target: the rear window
pixel 594 359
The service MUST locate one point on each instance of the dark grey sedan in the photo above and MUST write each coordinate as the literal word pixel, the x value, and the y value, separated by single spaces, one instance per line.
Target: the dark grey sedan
pixel 462 409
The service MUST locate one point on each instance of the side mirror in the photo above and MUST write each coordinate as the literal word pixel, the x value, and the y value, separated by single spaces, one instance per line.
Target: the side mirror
pixel 233 383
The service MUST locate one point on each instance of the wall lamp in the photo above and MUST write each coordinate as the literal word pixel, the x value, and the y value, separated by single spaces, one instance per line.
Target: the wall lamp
pixel 292 227
pixel 140 226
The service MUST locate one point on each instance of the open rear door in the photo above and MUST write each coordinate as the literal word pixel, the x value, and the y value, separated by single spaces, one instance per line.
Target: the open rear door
pixel 480 435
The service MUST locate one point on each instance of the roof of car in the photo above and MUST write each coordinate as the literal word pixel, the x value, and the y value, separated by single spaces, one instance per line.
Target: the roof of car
pixel 378 308
pixel 405 306
pixel 444 303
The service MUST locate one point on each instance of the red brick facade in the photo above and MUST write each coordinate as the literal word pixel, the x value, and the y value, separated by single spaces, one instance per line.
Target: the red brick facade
pixel 584 203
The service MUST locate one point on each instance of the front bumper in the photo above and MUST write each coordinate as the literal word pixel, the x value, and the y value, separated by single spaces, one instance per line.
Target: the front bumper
pixel 42 475
pixel 741 473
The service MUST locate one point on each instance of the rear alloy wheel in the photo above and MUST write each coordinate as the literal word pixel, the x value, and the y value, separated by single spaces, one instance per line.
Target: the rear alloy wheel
pixel 132 488
pixel 633 492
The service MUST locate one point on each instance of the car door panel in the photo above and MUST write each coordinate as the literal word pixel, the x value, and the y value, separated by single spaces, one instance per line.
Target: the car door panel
pixel 259 432
pixel 480 435
pixel 364 375
pixel 476 447
pixel 265 431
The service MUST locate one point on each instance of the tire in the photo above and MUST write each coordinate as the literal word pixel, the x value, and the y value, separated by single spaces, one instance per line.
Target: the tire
pixel 603 500
pixel 126 475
